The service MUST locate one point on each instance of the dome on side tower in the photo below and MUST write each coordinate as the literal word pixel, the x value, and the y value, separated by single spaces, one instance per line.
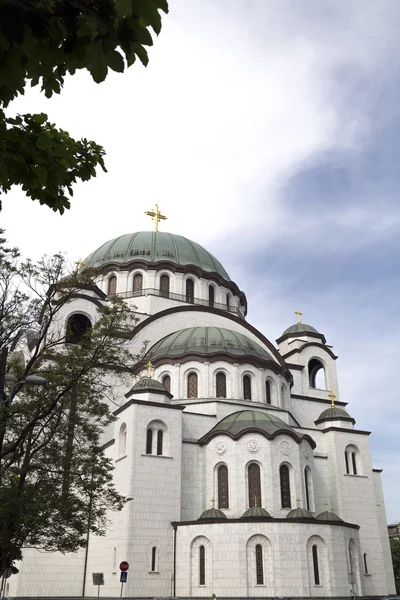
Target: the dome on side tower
pixel 154 247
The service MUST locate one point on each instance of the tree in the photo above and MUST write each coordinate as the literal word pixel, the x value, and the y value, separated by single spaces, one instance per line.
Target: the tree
pixel 55 482
pixel 395 549
pixel 41 41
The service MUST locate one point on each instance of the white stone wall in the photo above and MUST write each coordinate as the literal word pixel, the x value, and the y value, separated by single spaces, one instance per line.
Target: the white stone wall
pixel 288 567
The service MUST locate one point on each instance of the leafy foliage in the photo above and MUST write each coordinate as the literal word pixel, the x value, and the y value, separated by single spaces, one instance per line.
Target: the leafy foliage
pixel 395 549
pixel 42 41
pixel 55 482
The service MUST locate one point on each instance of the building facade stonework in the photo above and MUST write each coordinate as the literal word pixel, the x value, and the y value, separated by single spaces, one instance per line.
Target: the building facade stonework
pixel 247 475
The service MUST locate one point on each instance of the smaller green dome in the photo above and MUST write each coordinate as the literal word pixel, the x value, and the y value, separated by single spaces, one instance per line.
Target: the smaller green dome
pixel 328 515
pixel 145 383
pixel 300 513
pixel 212 513
pixel 256 512
pixel 300 328
pixel 333 413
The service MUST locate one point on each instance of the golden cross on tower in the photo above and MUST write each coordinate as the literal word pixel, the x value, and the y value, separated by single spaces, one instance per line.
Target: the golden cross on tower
pixel 299 314
pixel 298 502
pixel 149 367
pixel 255 501
pixel 156 216
pixel 79 264
pixel 332 396
pixel 326 506
pixel 212 502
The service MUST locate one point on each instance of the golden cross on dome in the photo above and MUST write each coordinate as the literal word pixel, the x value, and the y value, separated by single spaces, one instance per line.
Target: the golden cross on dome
pixel 212 502
pixel 299 314
pixel 255 500
pixel 149 367
pixel 79 264
pixel 156 216
pixel 298 502
pixel 326 505
pixel 332 396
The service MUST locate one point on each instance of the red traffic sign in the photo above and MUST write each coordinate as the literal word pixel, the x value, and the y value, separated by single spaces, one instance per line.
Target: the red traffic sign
pixel 124 566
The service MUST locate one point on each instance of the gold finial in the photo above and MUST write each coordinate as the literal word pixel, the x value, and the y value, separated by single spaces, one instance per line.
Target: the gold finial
pixel 255 501
pixel 156 216
pixel 332 396
pixel 299 314
pixel 326 506
pixel 212 502
pixel 149 367
pixel 332 509
pixel 79 264
pixel 298 502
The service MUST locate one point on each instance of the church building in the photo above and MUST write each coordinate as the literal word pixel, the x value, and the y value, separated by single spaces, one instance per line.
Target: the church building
pixel 247 474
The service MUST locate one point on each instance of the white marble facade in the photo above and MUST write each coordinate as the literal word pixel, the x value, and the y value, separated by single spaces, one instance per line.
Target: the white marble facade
pixel 171 551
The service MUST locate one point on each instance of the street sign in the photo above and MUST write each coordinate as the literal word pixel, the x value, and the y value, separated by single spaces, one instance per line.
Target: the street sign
pixel 124 566
pixel 123 578
pixel 98 578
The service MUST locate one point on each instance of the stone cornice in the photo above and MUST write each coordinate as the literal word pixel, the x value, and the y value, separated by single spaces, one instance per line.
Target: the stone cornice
pixel 308 345
pixel 176 524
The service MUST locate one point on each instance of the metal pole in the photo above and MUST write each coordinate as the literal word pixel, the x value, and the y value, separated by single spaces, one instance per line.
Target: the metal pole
pixel 122 586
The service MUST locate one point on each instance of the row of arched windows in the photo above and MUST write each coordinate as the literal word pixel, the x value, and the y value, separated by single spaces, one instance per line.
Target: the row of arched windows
pixel 257 547
pixel 254 486
pixel 155 439
pixel 192 387
pixel 137 286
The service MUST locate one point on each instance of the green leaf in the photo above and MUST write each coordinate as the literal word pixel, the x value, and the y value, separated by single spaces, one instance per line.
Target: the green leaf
pixel 41 175
pixel 115 61
pixel 39 118
pixel 124 7
pixel 98 65
pixel 142 53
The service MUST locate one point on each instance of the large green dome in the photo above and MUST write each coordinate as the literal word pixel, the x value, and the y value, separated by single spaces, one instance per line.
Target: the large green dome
pixel 207 340
pixel 154 247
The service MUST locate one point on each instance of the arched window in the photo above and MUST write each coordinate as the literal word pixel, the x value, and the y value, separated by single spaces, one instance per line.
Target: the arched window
pixel 202 565
pixel 223 487
pixel 149 441
pixel 153 558
pixel 315 564
pixel 365 564
pixel 346 460
pixel 122 441
pixel 254 483
pixel 112 285
pixel 78 326
pixel 285 486
pixel 166 381
pixel 220 385
pixel 308 488
pixel 159 442
pixel 138 282
pixel 211 295
pixel 189 290
pixel 164 286
pixel 316 374
pixel 192 385
pixel 354 462
pixel 247 387
pixel 267 392
pixel 259 565
pixel 228 302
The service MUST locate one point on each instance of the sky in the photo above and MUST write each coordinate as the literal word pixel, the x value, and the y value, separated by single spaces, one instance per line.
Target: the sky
pixel 268 132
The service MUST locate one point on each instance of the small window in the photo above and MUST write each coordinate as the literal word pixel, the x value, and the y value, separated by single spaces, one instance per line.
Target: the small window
pixel 285 486
pixel 159 442
pixel 202 565
pixel 315 565
pixel 211 295
pixel 307 487
pixel 166 381
pixel 78 326
pixel 153 558
pixel 138 282
pixel 254 483
pixel 164 286
pixel 259 565
pixel 189 290
pixel 192 385
pixel 220 384
pixel 267 392
pixel 354 462
pixel 247 387
pixel 112 285
pixel 365 564
pixel 223 489
pixel 149 441
pixel 122 441
pixel 316 374
pixel 228 303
